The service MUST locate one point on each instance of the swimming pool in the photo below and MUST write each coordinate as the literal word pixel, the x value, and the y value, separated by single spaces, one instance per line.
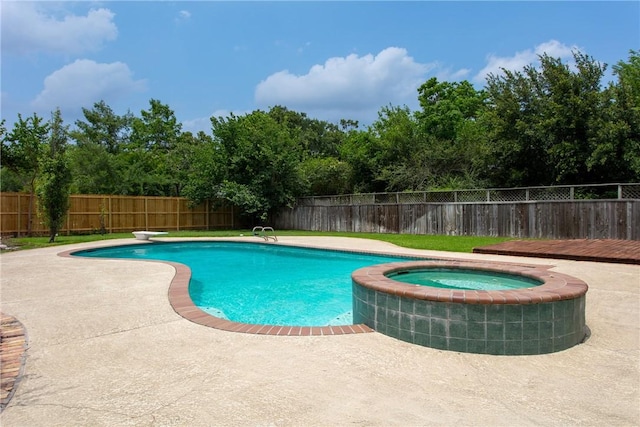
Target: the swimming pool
pixel 258 283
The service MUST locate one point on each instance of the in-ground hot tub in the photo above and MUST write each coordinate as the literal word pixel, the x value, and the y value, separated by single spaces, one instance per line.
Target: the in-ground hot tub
pixel 547 316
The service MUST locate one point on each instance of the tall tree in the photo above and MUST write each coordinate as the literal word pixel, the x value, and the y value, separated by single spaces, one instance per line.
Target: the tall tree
pixel 101 139
pixel 256 165
pixel 326 175
pixel 316 138
pixel 182 159
pixel 616 152
pixel 544 123
pixel 53 187
pixel 157 128
pixel 21 153
pixel 154 135
pixel 101 126
pixel 363 151
pixel 447 107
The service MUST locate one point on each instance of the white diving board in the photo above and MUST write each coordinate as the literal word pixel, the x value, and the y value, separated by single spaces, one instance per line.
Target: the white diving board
pixel 144 235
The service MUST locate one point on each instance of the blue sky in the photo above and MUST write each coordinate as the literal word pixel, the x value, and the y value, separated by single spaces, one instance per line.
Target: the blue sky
pixel 329 59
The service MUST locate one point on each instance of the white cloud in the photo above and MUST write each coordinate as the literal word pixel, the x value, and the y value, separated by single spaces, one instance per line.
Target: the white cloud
pixel 26 28
pixel 517 62
pixel 84 82
pixel 183 16
pixel 347 87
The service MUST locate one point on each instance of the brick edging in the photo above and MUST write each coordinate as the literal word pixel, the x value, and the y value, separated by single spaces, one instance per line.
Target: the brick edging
pixel 13 348
pixel 184 306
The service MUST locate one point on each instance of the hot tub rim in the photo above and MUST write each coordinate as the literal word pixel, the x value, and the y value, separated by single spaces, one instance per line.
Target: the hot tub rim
pixel 555 286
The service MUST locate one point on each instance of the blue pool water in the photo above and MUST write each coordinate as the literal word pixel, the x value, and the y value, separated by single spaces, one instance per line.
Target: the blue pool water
pixel 261 283
pixel 478 280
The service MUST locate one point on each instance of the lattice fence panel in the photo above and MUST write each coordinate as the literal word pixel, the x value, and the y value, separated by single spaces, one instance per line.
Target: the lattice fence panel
pixel 631 191
pixel 550 193
pixel 510 195
pixel 588 192
pixel 410 198
pixel 440 197
pixel 362 199
pixel 384 198
pixel 471 196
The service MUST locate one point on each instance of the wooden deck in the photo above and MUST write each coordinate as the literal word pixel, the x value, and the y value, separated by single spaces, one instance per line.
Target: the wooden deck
pixel 597 250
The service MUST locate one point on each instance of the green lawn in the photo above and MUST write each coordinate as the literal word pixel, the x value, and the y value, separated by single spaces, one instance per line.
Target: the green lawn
pixel 438 243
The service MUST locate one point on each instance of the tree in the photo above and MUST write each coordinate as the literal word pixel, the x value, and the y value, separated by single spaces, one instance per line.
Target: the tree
pixel 453 147
pixel 9 181
pixel 157 128
pixel 361 150
pixel 101 139
pixel 447 107
pixel 181 161
pixel 543 124
pixel 326 175
pixel 53 187
pixel 103 128
pixel 154 135
pixel 94 169
pixel 316 138
pixel 255 165
pixel 399 142
pixel 21 153
pixel 616 153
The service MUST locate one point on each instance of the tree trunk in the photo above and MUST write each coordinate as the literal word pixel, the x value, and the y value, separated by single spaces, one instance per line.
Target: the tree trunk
pixel 52 235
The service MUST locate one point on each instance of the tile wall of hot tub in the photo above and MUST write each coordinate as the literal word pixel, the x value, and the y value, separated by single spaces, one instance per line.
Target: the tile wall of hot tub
pixel 543 319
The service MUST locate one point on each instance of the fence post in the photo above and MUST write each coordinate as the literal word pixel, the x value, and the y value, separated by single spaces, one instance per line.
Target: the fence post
pixel 69 221
pixel 619 192
pixel 178 214
pixel 571 192
pixel 488 196
pixel 19 217
pixel 206 207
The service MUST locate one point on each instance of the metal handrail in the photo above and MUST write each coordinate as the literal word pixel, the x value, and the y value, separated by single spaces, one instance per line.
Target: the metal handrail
pixel 260 231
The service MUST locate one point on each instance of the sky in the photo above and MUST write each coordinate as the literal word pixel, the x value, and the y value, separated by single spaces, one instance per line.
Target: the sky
pixel 329 59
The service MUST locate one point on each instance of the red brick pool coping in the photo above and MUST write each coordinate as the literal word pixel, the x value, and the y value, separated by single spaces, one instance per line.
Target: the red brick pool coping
pixel 184 306
pixel 554 287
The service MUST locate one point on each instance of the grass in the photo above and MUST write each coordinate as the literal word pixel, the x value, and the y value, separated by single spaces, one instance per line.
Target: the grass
pixel 429 242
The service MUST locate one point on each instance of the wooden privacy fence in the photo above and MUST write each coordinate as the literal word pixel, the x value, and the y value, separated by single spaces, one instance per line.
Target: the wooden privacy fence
pixel 576 219
pixel 111 214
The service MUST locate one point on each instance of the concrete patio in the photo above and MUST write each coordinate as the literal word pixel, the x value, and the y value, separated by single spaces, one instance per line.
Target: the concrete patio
pixel 105 348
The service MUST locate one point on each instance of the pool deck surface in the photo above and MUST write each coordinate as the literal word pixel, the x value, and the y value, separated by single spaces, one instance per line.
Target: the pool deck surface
pixel 105 348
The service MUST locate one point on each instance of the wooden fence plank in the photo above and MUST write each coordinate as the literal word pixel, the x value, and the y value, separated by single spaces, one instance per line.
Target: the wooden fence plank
pixel 114 213
pixel 570 219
